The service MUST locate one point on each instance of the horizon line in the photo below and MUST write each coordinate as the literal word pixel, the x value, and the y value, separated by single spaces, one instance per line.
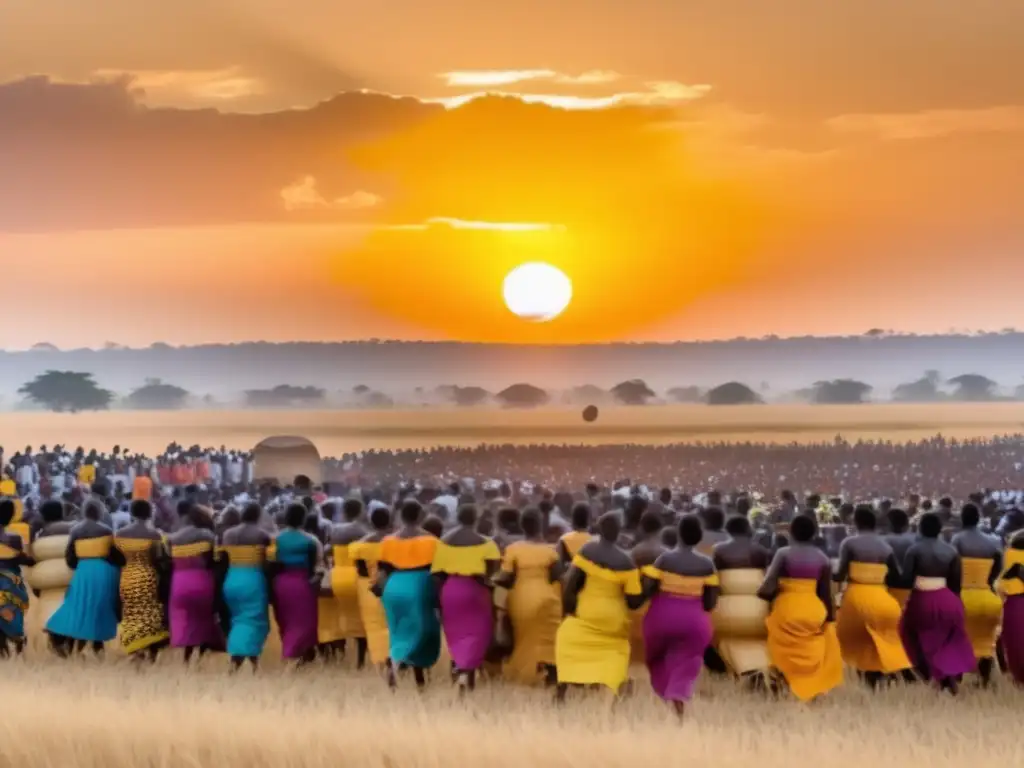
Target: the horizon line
pixel 873 334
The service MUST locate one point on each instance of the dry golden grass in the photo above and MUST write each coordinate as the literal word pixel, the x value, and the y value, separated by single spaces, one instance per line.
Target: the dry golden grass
pixel 108 714
pixel 336 432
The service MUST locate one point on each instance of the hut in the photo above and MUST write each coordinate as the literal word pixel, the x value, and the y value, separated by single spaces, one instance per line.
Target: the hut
pixel 282 457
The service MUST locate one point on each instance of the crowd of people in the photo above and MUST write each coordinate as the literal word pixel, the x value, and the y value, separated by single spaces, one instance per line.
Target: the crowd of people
pixel 526 567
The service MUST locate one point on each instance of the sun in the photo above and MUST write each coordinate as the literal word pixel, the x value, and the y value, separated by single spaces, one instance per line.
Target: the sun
pixel 537 291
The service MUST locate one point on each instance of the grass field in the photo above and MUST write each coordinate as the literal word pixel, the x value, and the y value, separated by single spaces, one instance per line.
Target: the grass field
pixel 106 714
pixel 336 432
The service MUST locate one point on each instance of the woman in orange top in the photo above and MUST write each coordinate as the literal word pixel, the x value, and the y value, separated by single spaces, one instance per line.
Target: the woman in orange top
pixel 407 591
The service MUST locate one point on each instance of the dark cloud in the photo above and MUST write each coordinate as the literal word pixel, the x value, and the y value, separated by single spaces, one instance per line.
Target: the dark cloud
pixel 90 155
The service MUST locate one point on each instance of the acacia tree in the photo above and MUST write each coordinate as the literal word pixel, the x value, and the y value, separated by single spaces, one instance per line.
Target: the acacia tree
pixel 632 392
pixel 840 392
pixel 67 392
pixel 155 395
pixel 522 396
pixel 732 393
pixel 924 390
pixel 973 387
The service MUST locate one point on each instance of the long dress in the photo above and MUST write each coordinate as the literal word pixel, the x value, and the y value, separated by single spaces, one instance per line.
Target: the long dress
pixel 410 601
pixel 467 615
pixel 371 610
pixel 1012 637
pixel 677 632
pixel 802 645
pixel 534 607
pixel 90 607
pixel 294 596
pixel 248 600
pixel 592 646
pixel 983 610
pixel 13 594
pixel 346 619
pixel 741 635
pixel 934 632
pixel 143 618
pixel 192 606
pixel 868 622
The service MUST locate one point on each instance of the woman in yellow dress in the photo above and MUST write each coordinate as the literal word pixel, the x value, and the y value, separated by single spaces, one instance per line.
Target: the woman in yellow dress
pixel 601 588
pixel 345 620
pixel 365 554
pixel 571 542
pixel 530 571
pixel 802 642
pixel 144 583
pixel 868 622
pixel 981 562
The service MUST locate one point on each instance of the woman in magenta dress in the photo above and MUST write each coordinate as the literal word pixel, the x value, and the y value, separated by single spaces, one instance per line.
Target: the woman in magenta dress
pixel 683 589
pixel 192 604
pixel 463 562
pixel 933 627
pixel 295 557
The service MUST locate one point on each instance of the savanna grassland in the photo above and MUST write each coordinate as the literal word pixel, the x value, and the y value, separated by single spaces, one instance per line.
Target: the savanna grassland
pixel 339 431
pixel 108 714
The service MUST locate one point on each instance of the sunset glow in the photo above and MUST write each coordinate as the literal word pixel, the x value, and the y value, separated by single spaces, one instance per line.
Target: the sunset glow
pixel 394 162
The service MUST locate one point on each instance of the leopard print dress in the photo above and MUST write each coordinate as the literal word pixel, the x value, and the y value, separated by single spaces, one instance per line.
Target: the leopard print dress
pixel 143 618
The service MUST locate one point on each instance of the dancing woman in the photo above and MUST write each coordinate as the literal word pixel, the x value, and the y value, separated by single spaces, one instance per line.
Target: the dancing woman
pixel 802 642
pixel 462 565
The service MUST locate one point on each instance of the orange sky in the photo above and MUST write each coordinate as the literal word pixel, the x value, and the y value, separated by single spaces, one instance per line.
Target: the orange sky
pixel 720 168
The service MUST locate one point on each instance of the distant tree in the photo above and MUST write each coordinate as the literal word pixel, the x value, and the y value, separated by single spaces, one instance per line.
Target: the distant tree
pixel 632 392
pixel 155 395
pixel 160 346
pixel 284 395
pixel 374 399
pixel 522 396
pixel 685 394
pixel 924 390
pixel 840 392
pixel 44 346
pixel 360 389
pixel 732 393
pixel 67 391
pixel 470 396
pixel 875 333
pixel 973 387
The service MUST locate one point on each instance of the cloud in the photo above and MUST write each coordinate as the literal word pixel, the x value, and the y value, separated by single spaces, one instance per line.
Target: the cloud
pixel 304 195
pixel 490 78
pixel 486 81
pixel 930 124
pixel 486 78
pixel 590 77
pixel 171 86
pixel 654 93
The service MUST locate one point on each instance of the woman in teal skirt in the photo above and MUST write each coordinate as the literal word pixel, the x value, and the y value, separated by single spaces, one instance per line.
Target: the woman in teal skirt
pixel 91 608
pixel 407 592
pixel 245 589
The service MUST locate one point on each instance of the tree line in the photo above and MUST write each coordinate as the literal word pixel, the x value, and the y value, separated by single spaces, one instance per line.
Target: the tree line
pixel 74 391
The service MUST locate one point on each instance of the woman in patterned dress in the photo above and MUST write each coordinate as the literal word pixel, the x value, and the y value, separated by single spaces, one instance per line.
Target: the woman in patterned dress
pixel 144 581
